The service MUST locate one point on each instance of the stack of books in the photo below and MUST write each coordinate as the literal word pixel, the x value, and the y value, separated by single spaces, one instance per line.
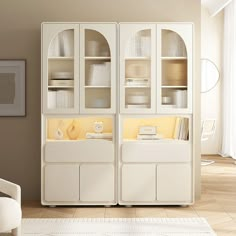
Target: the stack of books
pixel 181 130
pixel 148 133
pixel 139 46
pixel 60 99
pixel 107 136
pixel 137 81
pixel 100 75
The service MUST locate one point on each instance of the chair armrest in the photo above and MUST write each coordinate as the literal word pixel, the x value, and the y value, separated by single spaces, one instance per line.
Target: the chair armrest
pixel 13 190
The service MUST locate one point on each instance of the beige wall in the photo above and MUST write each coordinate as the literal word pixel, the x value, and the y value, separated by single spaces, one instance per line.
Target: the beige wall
pixel 20 38
pixel 211 48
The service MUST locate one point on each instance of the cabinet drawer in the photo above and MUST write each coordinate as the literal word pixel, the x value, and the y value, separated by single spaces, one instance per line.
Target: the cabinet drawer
pixel 156 152
pixel 79 151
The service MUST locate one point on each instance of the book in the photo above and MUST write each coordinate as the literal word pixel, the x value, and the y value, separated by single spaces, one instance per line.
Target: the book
pixel 181 130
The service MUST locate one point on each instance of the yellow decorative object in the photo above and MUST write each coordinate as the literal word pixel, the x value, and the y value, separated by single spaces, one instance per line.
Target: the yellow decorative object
pixel 73 130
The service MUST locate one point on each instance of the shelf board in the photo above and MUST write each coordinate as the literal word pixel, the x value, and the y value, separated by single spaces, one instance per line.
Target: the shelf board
pixel 137 86
pixel 75 140
pixel 88 86
pixel 52 87
pixel 61 58
pixel 97 58
pixel 163 140
pixel 174 58
pixel 173 86
pixel 137 106
pixel 137 78
pixel 137 58
pixel 169 106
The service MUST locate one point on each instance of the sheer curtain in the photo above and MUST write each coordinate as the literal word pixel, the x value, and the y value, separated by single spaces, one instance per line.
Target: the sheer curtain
pixel 229 82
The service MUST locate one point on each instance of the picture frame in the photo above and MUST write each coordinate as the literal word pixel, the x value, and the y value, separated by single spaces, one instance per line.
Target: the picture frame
pixel 12 87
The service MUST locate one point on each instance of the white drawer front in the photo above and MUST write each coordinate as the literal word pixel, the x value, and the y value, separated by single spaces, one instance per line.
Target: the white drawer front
pixel 156 152
pixel 80 151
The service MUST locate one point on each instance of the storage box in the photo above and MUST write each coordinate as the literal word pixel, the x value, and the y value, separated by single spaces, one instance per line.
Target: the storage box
pixel 147 130
pixel 174 73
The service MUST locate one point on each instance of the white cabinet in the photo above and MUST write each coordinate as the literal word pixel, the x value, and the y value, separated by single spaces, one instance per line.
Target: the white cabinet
pixel 160 183
pixel 138 183
pixel 92 149
pixel 174 183
pixel 97 183
pixel 155 171
pixel 77 168
pixel 156 76
pixel 78 95
pixel 61 183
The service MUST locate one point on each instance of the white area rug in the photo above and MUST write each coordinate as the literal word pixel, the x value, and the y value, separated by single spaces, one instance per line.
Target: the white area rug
pixel 117 227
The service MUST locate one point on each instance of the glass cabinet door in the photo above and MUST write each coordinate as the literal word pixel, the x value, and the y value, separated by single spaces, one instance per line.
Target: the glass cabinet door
pixel 174 79
pixel 137 71
pixel 97 68
pixel 60 74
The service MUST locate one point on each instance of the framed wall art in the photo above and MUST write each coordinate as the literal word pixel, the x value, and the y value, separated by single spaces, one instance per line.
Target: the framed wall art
pixel 12 87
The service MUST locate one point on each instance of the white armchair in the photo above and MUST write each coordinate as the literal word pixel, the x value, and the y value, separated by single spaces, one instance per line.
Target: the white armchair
pixel 10 208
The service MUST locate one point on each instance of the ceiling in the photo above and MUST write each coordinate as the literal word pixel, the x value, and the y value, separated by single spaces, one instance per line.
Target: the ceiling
pixel 215 6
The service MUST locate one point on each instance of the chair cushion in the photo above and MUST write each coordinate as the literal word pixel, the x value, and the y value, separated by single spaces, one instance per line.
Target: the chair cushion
pixel 10 214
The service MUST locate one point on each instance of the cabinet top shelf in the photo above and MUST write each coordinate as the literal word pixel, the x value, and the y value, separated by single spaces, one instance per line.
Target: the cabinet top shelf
pixel 174 58
pixel 62 86
pixel 77 140
pixel 137 86
pixel 61 58
pixel 101 86
pixel 173 86
pixel 137 58
pixel 164 140
pixel 97 58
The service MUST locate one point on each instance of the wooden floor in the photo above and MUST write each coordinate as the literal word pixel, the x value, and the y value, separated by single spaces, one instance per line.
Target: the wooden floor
pixel 217 204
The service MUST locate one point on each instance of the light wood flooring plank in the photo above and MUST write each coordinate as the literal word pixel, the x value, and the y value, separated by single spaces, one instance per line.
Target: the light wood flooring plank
pixel 217 203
